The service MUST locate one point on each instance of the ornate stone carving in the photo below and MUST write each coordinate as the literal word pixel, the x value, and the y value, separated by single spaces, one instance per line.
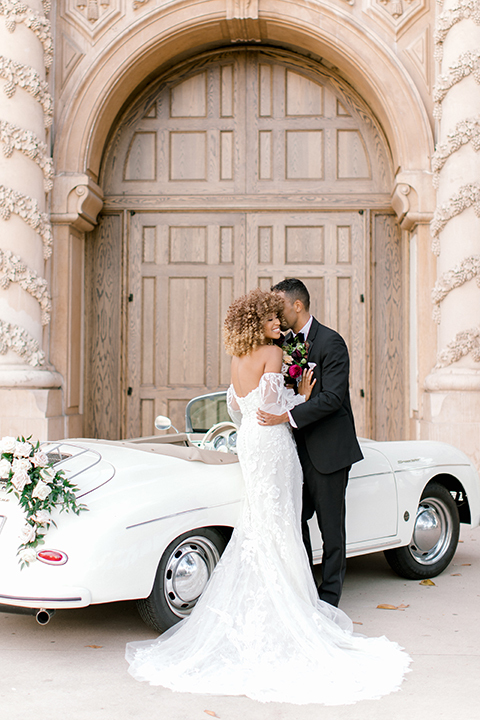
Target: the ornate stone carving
pixel 27 208
pixel 17 12
pixel 91 8
pixel 394 7
pixel 447 19
pixel 13 337
pixel 14 138
pixel 466 342
pixel 400 200
pixel 460 274
pixel 76 201
pixel 16 271
pixel 465 131
pixel 139 3
pixel 419 54
pixel 468 196
pixel 396 14
pixel 93 17
pixel 242 21
pixel 467 64
pixel 69 55
pixel 24 76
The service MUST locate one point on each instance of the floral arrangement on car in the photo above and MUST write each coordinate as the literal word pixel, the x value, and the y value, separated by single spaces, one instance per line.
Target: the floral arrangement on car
pixel 27 472
pixel 295 358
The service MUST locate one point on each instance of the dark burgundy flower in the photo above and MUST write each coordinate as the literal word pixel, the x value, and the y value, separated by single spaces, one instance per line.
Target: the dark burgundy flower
pixel 294 371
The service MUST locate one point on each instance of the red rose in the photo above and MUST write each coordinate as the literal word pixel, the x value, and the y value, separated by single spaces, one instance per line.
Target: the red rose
pixel 294 371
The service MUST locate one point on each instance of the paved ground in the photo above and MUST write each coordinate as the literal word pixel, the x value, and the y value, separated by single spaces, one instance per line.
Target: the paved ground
pixel 74 669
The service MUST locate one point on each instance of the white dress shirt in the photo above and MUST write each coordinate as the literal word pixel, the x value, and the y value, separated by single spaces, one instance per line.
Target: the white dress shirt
pixel 305 330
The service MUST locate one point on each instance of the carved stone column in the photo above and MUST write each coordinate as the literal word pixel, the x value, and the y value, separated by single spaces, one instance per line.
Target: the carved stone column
pixel 27 402
pixel 453 400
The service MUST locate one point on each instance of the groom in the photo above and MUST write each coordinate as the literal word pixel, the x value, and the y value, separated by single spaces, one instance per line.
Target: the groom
pixel 325 434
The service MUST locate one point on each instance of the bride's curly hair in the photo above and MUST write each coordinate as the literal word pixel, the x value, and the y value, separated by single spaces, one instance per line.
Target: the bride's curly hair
pixel 246 316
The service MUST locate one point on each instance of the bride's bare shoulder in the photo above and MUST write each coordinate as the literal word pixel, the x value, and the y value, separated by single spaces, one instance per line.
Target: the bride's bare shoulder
pixel 273 356
pixel 273 351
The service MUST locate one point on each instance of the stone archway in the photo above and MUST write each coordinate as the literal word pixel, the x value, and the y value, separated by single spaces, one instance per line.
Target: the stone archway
pixel 235 170
pixel 150 46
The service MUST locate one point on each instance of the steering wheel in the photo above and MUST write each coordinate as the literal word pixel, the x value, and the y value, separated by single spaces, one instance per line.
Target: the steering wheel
pixel 225 428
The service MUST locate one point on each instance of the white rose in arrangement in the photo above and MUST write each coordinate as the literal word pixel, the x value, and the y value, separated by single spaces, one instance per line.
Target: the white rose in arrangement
pixel 21 464
pixel 40 459
pixel 20 479
pixel 7 444
pixel 39 488
pixel 22 449
pixel 42 517
pixel 27 534
pixel 47 474
pixel 5 468
pixel 27 555
pixel 41 491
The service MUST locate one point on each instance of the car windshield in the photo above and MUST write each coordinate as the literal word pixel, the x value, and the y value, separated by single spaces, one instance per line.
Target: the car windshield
pixel 204 411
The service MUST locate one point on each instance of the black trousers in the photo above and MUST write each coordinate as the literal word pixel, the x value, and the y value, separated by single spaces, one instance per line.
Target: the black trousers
pixel 325 496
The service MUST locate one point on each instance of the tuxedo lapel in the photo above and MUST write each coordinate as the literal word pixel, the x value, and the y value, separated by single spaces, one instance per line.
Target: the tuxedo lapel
pixel 312 334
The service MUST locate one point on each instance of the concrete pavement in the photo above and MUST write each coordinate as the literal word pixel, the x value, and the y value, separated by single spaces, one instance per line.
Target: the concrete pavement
pixel 74 668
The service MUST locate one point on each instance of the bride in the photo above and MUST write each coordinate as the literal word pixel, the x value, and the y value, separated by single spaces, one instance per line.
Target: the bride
pixel 259 629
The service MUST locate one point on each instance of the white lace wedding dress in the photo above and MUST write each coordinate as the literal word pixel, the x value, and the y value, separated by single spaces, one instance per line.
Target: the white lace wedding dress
pixel 259 628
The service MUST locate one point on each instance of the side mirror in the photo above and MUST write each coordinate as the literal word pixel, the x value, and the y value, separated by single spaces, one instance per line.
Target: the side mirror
pixel 164 423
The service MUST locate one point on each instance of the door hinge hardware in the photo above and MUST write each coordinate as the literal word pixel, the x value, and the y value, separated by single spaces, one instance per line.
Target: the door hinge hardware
pixel 129 391
pixel 130 297
pixel 362 298
pixel 362 393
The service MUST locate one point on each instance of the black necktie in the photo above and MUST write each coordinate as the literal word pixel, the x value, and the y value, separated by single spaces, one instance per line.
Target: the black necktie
pixel 299 338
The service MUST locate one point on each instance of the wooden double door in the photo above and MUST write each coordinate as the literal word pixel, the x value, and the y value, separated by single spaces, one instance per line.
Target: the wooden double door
pixel 185 270
pixel 238 169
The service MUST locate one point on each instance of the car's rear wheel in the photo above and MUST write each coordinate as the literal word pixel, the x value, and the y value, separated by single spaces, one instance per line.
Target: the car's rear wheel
pixel 182 575
pixel 434 539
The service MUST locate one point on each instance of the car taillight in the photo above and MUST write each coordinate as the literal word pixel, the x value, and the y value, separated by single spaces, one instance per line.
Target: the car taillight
pixel 52 557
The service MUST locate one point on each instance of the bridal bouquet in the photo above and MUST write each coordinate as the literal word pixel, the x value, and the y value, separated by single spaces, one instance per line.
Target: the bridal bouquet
pixel 26 471
pixel 295 353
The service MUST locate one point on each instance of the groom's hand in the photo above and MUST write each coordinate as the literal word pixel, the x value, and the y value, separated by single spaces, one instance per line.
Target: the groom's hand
pixel 269 419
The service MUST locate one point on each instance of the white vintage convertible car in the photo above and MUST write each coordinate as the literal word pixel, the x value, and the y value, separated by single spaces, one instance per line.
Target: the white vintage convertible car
pixel 162 508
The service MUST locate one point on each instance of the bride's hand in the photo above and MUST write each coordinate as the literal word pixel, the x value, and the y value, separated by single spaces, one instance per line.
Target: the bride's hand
pixel 306 384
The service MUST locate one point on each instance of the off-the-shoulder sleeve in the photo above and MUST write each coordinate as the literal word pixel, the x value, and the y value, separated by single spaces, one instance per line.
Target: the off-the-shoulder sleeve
pixel 233 408
pixel 275 397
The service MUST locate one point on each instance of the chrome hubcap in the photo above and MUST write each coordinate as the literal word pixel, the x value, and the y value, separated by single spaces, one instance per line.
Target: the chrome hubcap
pixel 432 532
pixel 187 572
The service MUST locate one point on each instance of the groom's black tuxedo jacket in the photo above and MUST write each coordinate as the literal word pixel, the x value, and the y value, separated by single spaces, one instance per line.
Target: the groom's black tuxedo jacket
pixel 325 422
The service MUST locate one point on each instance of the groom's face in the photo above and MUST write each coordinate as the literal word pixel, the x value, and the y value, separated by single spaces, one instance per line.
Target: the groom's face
pixel 289 312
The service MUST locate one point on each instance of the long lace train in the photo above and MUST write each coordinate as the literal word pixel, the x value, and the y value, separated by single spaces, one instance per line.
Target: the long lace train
pixel 259 628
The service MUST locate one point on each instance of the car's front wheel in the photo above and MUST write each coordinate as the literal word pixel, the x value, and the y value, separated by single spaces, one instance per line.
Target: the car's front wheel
pixel 183 572
pixel 434 539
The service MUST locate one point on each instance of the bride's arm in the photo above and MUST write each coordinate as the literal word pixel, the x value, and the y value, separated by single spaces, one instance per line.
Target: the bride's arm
pixel 277 400
pixel 233 408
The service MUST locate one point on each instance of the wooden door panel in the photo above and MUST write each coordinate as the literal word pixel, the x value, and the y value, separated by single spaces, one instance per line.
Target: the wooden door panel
pixel 103 348
pixel 191 140
pixel 184 271
pixel 305 139
pixel 327 252
pixel 389 341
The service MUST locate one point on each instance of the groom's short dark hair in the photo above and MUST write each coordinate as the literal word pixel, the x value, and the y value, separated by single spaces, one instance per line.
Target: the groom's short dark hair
pixel 295 289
